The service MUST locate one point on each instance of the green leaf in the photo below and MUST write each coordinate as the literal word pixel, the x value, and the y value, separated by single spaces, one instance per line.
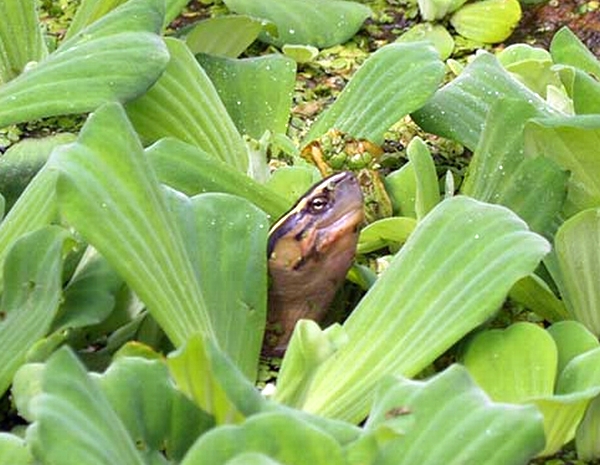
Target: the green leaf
pixel 448 419
pixel 578 255
pixel 586 437
pixel 184 104
pixel 436 9
pixel 401 186
pixel 572 143
pixel 190 170
pixel 226 36
pixel 21 40
pixel 306 22
pixel 90 296
pixel 572 339
pixel 291 182
pixel 300 53
pixel 535 294
pixel 22 161
pixel 109 193
pixel 528 353
pixel 585 92
pixel 532 66
pixel 152 410
pixel 75 422
pixel 394 81
pixel 459 109
pixel 32 293
pixel 226 240
pixel 452 274
pixel 35 208
pixel 257 92
pixel 436 34
pixel 68 81
pixel 428 191
pixel 14 451
pixel 487 21
pixel 567 49
pixel 523 352
pixel 393 231
pixel 90 11
pixel 275 435
pixel 534 188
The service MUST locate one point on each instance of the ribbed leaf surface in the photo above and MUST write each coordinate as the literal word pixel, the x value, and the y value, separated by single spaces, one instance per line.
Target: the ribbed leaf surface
pixel 450 276
pixel 394 81
pixel 184 104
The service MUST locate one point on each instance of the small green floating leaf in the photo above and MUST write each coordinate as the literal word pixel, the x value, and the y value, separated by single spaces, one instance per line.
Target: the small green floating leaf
pixel 128 57
pixel 387 232
pixel 257 92
pixel 523 352
pixel 300 53
pixel 394 81
pixel 436 9
pixel 306 22
pixel 436 34
pixel 487 21
pixel 185 104
pixel 226 36
pixel 21 40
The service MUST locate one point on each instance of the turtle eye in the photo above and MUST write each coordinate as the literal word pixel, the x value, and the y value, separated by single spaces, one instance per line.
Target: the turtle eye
pixel 319 204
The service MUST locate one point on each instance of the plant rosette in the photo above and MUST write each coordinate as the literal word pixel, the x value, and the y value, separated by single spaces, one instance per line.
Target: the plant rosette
pixel 557 371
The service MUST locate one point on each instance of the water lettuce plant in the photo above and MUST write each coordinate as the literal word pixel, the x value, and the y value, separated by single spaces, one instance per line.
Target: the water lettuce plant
pixel 133 267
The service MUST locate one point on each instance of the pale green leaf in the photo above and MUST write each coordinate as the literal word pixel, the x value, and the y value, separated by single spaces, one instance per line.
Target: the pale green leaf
pixel 567 49
pixel 90 11
pixel 587 437
pixel 393 231
pixel 21 38
pixel 226 240
pixel 109 193
pixel 428 191
pixel 306 22
pixel 578 255
pixel 190 170
pixel 160 417
pixel 127 54
pixel 257 92
pixel 572 339
pixel 275 435
pixel 451 275
pixel 184 104
pixel 535 294
pixel 75 422
pixel 401 186
pixel 394 81
pixel 534 188
pixel 436 9
pixel 225 36
pixel 36 207
pixel 32 293
pixel 459 109
pixel 513 365
pixel 448 419
pixel 487 21
pixel 14 450
pixel 436 34
pixel 573 144
pixel 20 163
